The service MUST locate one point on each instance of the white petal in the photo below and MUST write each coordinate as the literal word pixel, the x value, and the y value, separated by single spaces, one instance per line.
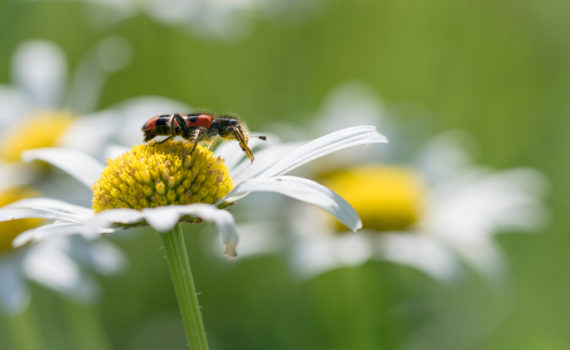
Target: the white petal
pixel 419 251
pixel 303 190
pixel 15 104
pixel 264 159
pixel 104 222
pixel 90 133
pixel 40 68
pixel 164 219
pixel 349 137
pixel 46 232
pixel 19 213
pixel 61 210
pixel 16 174
pixel 79 165
pixel 14 296
pixel 106 258
pixel 49 205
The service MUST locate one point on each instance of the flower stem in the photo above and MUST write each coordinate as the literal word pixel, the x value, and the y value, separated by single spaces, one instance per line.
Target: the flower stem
pixel 24 332
pixel 184 287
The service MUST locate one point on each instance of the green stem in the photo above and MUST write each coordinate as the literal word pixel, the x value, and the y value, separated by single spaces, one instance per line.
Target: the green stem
pixel 184 287
pixel 86 328
pixel 24 332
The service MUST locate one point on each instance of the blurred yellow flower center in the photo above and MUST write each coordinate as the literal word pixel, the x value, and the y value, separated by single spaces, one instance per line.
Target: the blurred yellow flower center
pixel 158 174
pixel 10 229
pixel 386 198
pixel 40 130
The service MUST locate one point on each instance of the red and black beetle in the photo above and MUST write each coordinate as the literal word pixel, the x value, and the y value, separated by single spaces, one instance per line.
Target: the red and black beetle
pixel 197 127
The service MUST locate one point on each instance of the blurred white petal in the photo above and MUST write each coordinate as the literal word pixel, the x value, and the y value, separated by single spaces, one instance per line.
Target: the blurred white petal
pixel 113 151
pixel 319 254
pixel 113 53
pixel 109 55
pixel 349 104
pixel 419 251
pixel 304 190
pixel 445 156
pixel 481 203
pixel 40 68
pixel 51 267
pixel 259 238
pixel 77 164
pixel 97 128
pixel 15 104
pixel 15 174
pixel 170 10
pixel 46 232
pixel 14 296
pixel 349 137
pixel 106 258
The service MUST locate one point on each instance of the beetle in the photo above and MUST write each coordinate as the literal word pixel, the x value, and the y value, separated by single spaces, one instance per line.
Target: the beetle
pixel 197 127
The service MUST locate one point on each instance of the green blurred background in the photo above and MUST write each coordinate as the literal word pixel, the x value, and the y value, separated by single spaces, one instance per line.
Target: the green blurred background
pixel 497 69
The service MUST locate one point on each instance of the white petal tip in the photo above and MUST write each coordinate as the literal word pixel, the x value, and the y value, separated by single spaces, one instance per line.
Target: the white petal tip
pixel 230 251
pixel 21 241
pixel 357 227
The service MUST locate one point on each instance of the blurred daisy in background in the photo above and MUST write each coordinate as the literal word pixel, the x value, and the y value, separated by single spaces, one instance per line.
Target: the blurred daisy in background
pixel 434 211
pixel 208 19
pixel 41 104
pixel 62 264
pixel 43 108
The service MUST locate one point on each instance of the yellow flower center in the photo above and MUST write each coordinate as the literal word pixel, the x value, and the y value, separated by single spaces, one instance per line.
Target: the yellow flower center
pixel 40 130
pixel 159 174
pixel 10 229
pixel 386 198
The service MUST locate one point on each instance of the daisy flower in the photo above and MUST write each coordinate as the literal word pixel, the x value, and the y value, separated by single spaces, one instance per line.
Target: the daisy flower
pixel 435 211
pixel 163 184
pixel 160 184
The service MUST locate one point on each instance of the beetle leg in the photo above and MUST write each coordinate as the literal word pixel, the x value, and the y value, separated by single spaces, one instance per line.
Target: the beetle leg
pixel 194 136
pixel 181 124
pixel 238 134
pixel 166 139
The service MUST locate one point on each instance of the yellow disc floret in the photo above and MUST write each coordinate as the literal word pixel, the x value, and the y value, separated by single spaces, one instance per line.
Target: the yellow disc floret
pixel 386 198
pixel 10 229
pixel 40 130
pixel 159 174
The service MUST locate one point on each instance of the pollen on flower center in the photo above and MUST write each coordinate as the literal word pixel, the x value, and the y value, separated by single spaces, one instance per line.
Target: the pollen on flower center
pixel 10 229
pixel 40 130
pixel 386 198
pixel 159 174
